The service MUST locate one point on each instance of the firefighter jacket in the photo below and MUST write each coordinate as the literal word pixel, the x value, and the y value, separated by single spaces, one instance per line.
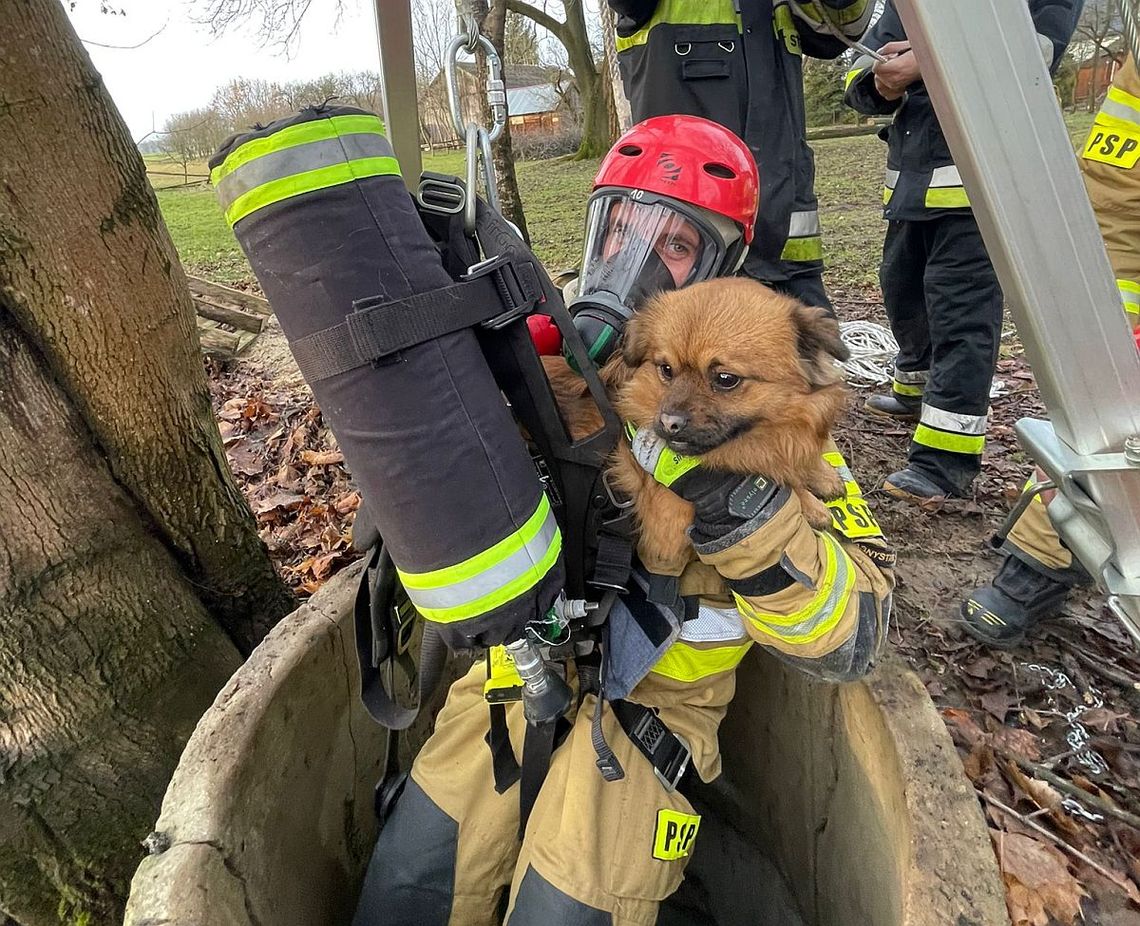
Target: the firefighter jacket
pixel 818 600
pixel 922 181
pixel 1110 162
pixel 739 63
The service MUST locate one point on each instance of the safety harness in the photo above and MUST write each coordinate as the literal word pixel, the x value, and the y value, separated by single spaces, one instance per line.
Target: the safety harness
pixel 493 294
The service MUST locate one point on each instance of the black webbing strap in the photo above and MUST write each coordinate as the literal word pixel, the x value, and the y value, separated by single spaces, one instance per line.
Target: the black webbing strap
pixel 590 679
pixel 378 328
pixel 666 752
pixel 504 765
pixel 378 648
pixel 538 748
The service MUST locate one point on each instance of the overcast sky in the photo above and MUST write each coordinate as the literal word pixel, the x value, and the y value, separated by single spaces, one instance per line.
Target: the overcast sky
pixel 180 68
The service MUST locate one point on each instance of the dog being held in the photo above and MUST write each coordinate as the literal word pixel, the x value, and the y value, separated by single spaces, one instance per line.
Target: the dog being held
pixel 729 371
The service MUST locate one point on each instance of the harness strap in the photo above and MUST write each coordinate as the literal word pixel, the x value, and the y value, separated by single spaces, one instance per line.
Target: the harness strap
pixel 378 645
pixel 504 766
pixel 538 748
pixel 666 751
pixel 492 293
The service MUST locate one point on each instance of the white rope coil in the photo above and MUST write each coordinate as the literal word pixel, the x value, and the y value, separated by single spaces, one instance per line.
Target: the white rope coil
pixel 873 350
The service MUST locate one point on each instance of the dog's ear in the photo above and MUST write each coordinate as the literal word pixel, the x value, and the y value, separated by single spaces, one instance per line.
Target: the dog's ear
pixel 819 344
pixel 635 343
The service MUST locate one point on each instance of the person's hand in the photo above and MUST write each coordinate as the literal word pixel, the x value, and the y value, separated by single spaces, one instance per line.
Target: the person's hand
pixel 721 501
pixel 899 71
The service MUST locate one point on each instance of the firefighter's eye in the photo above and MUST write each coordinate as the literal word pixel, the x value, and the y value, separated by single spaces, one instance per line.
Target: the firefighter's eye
pixel 665 371
pixel 726 382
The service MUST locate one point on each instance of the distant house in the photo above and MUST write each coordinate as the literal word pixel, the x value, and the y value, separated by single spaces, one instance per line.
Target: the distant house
pixel 1103 64
pixel 540 100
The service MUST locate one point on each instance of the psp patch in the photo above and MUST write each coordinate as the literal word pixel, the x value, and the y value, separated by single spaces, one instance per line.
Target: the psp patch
pixel 1118 145
pixel 674 835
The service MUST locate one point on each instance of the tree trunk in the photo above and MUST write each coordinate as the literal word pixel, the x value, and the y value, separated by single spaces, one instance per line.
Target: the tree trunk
pixel 107 658
pixel 492 23
pixel 90 275
pixel 596 138
pixel 129 564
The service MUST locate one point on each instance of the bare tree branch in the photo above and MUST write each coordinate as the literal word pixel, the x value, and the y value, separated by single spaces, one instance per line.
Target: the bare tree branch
pixel 153 35
pixel 541 17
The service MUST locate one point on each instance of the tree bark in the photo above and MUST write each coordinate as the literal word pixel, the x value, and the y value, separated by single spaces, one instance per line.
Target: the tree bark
pixel 596 138
pixel 492 23
pixel 90 276
pixel 107 658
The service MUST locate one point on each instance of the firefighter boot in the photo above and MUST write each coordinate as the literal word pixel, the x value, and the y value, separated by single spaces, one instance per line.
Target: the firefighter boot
pixel 893 405
pixel 912 486
pixel 1003 612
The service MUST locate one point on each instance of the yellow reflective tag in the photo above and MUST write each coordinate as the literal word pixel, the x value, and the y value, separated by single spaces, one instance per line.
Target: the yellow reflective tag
pixel 1117 145
pixel 503 680
pixel 674 835
pixel 785 28
pixel 852 518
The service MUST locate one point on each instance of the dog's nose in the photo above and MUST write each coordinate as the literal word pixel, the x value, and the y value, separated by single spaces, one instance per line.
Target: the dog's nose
pixel 673 424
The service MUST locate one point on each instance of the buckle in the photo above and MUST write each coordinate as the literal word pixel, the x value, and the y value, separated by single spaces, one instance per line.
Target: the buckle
pixel 618 500
pixel 676 767
pixel 518 297
pixel 441 194
pixel 404 616
pixel 654 738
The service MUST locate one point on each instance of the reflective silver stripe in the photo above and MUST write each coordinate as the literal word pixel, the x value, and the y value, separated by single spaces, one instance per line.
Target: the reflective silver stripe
pixel 647 448
pixel 298 159
pixel 804 224
pixel 952 421
pixel 1129 295
pixel 917 378
pixel 714 625
pixel 1047 50
pixel 891 179
pixel 1120 105
pixel 945 176
pixel 492 578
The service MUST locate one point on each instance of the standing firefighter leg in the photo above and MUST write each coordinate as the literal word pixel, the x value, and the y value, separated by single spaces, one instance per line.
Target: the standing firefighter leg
pixel 384 337
pixel 904 297
pixel 964 309
pixel 1032 583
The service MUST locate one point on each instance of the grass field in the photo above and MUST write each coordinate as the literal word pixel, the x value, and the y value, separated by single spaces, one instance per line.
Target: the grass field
pixel 849 184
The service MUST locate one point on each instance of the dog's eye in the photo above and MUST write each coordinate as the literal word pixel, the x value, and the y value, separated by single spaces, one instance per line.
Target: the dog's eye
pixel 665 370
pixel 726 381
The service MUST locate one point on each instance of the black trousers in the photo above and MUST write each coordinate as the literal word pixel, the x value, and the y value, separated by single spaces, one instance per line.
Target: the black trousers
pixel 944 303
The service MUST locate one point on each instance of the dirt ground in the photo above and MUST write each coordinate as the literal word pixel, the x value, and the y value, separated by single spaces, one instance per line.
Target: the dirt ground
pixel 1066 705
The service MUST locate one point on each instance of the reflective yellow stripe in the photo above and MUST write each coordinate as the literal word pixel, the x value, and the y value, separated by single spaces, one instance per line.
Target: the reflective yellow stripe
pixel 481 562
pixel 1129 295
pixel 686 663
pixel 887 194
pixel 953 197
pixel 944 440
pixel 844 17
pixel 684 12
pixel 852 76
pixel 277 190
pixel 293 135
pixel 501 596
pixel 905 389
pixel 1115 142
pixel 1120 107
pixel 824 611
pixel 803 249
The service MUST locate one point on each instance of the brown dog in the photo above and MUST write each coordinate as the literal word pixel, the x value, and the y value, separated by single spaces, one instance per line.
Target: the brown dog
pixel 729 371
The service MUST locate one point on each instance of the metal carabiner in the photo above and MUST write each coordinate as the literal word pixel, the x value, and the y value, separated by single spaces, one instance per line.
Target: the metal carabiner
pixel 496 89
pixel 478 147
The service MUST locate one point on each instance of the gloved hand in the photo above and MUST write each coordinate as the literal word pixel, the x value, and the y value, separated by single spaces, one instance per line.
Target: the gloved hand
pixel 721 501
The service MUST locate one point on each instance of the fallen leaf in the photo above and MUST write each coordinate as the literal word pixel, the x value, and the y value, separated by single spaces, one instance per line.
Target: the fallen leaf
pixel 1041 871
pixel 246 459
pixel 1034 719
pixel 347 503
pixel 1101 718
pixel 998 703
pixel 963 724
pixel 979 668
pixel 287 501
pixel 1022 742
pixel 321 458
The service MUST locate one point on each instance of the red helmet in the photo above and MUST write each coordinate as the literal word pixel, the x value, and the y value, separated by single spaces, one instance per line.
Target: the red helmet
pixel 689 159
